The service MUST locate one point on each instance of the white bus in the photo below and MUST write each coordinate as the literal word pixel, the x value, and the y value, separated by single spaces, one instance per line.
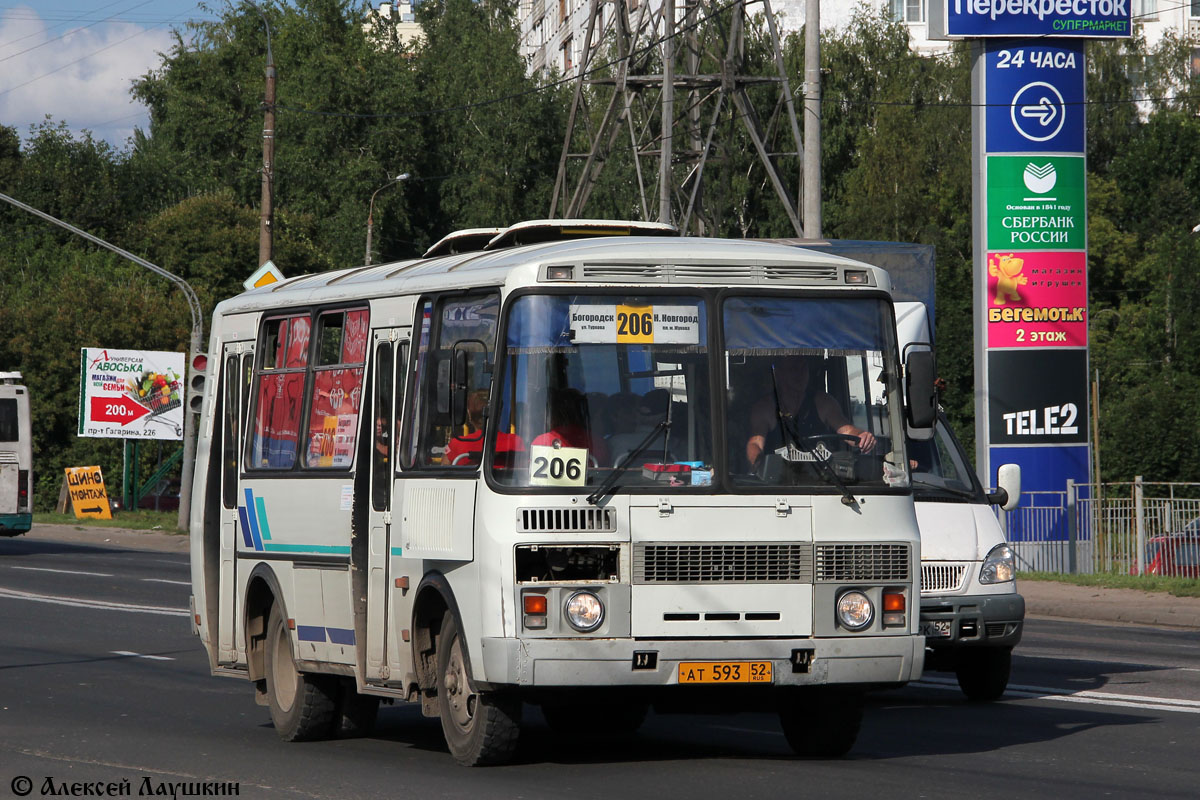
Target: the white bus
pixel 16 457
pixel 521 475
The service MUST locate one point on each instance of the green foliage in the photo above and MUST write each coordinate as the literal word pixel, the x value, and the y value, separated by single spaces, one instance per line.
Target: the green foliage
pixel 1178 587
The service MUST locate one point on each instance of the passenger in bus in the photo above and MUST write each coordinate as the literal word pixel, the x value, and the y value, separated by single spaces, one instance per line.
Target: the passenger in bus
pixel 795 394
pixel 569 426
pixel 466 449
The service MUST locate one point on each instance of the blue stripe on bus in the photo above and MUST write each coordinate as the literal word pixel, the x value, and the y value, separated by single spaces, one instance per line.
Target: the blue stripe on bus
pixel 310 633
pixel 250 510
pixel 245 527
pixel 397 551
pixel 262 519
pixel 340 635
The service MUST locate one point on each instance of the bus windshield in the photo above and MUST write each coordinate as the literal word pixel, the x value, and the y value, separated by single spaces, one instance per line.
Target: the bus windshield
pixel 594 382
pixel 813 393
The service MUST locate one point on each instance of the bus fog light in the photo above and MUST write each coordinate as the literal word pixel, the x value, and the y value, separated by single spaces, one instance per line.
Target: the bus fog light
pixel 854 610
pixel 584 611
pixel 893 619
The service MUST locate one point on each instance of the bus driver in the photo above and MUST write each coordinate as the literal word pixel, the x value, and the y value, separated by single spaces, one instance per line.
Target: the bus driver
pixel 809 410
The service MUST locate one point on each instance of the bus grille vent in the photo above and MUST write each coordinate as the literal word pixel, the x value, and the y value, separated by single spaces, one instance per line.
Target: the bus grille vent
pixel 623 272
pixel 942 577
pixel 7 457
pixel 568 520
pixel 801 274
pixel 862 562
pixel 722 563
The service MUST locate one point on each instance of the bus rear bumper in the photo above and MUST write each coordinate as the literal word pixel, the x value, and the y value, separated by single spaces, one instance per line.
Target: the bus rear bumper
pixel 874 660
pixel 14 524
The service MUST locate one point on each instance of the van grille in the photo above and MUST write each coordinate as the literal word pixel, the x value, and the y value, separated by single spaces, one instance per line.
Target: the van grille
pixel 942 577
pixel 862 562
pixel 566 520
pixel 722 563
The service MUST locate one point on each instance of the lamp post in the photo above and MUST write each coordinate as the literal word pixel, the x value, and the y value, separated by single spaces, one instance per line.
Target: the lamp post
pixel 403 176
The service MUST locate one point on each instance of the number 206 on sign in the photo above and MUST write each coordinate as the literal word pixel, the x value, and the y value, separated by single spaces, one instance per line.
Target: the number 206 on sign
pixel 557 466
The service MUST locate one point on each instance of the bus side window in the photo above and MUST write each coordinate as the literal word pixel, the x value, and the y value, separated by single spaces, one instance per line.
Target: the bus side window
pixel 337 388
pixel 383 430
pixel 279 389
pixel 465 332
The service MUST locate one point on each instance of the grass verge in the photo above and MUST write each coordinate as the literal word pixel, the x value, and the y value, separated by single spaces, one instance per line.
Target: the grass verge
pixel 1178 587
pixel 164 521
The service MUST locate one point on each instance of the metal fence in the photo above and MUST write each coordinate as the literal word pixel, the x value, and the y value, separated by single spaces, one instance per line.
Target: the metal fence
pixel 1128 528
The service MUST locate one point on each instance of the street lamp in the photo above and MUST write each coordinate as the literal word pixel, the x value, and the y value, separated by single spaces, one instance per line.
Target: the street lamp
pixel 403 176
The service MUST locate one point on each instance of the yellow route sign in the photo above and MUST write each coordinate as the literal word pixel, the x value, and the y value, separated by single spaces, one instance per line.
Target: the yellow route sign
pixel 88 497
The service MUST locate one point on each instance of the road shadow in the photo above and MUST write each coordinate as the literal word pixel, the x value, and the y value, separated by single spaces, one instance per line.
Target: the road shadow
pixel 909 723
pixel 17 547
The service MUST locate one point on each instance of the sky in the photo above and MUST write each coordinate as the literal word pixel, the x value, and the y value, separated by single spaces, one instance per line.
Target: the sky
pixel 75 60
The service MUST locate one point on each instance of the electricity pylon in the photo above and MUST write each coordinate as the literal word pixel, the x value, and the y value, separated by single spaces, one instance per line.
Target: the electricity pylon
pixel 635 58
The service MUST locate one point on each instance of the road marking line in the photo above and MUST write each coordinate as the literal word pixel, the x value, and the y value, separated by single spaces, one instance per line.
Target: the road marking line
pixel 1081 696
pixel 131 654
pixel 77 602
pixel 164 580
pixel 66 571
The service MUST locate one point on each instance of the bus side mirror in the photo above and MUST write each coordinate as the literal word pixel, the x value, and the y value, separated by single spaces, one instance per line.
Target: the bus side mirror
pixel 1008 494
pixel 920 393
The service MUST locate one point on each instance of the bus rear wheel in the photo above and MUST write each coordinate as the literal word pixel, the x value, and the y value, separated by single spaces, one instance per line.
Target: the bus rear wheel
pixel 302 706
pixel 481 728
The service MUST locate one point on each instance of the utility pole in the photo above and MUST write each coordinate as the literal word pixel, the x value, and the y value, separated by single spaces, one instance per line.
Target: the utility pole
pixel 812 119
pixel 266 246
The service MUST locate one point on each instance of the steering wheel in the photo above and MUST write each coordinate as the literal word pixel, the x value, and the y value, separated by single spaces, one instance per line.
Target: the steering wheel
pixel 831 437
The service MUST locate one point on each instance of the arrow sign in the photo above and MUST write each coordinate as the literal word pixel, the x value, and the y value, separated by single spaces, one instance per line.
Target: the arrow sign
pixel 1045 109
pixel 121 410
pixel 92 510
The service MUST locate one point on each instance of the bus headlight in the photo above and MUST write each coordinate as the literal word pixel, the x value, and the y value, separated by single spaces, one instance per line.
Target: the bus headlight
pixel 854 610
pixel 584 611
pixel 1000 566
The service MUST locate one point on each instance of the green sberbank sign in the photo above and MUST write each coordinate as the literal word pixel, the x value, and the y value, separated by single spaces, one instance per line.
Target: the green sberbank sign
pixel 1036 202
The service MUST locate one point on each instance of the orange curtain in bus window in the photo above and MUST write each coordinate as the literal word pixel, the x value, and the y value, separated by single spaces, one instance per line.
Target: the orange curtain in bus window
pixel 277 422
pixel 333 423
pixel 296 354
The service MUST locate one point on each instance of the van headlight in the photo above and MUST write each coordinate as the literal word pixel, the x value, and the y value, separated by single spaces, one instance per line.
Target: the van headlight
pixel 1000 566
pixel 584 611
pixel 854 610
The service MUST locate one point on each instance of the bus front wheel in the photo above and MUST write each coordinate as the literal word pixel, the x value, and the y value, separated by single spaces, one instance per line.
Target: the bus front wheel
pixel 821 723
pixel 481 728
pixel 302 705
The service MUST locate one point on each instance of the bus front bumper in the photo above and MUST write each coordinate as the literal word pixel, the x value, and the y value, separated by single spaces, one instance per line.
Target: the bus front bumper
pixel 868 660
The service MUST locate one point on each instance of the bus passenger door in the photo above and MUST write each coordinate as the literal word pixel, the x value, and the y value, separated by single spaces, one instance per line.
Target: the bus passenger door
pixel 387 397
pixel 236 364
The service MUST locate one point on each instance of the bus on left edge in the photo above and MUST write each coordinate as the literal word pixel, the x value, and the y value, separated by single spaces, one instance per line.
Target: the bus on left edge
pixel 16 457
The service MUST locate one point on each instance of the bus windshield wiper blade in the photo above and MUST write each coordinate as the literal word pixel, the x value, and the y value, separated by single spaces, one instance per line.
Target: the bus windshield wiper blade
pixel 608 485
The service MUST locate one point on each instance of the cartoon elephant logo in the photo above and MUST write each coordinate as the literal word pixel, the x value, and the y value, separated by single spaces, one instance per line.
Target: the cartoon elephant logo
pixel 1007 271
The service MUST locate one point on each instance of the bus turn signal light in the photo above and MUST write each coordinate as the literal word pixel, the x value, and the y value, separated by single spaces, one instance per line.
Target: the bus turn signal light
pixel 535 607
pixel 893 602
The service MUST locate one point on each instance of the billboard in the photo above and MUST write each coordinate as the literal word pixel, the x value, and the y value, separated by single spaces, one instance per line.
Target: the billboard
pixel 130 394
pixel 1087 19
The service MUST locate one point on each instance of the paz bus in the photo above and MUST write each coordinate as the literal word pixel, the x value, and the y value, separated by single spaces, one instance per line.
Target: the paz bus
pixel 517 474
pixel 16 457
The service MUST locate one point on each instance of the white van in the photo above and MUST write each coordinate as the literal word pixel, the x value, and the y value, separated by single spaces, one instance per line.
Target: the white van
pixel 971 613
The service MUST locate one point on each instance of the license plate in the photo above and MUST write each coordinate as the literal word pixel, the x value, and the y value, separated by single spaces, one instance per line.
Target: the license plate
pixel 938 628
pixel 725 672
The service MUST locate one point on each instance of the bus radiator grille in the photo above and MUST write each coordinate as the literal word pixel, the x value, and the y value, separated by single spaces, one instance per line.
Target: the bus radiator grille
pixel 696 562
pixel 841 563
pixel 566 520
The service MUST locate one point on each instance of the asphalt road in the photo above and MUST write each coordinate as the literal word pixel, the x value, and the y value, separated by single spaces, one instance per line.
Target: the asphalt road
pixel 102 682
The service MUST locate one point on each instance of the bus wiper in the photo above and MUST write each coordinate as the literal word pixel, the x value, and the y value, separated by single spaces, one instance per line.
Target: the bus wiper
pixel 793 439
pixel 608 486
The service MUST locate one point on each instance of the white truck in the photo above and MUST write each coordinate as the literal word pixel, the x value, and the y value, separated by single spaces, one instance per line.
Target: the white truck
pixel 971 614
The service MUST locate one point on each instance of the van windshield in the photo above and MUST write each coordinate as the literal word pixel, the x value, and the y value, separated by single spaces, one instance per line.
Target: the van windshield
pixel 940 469
pixel 590 383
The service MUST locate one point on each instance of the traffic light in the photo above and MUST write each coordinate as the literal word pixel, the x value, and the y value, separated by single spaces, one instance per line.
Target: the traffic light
pixel 196 382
